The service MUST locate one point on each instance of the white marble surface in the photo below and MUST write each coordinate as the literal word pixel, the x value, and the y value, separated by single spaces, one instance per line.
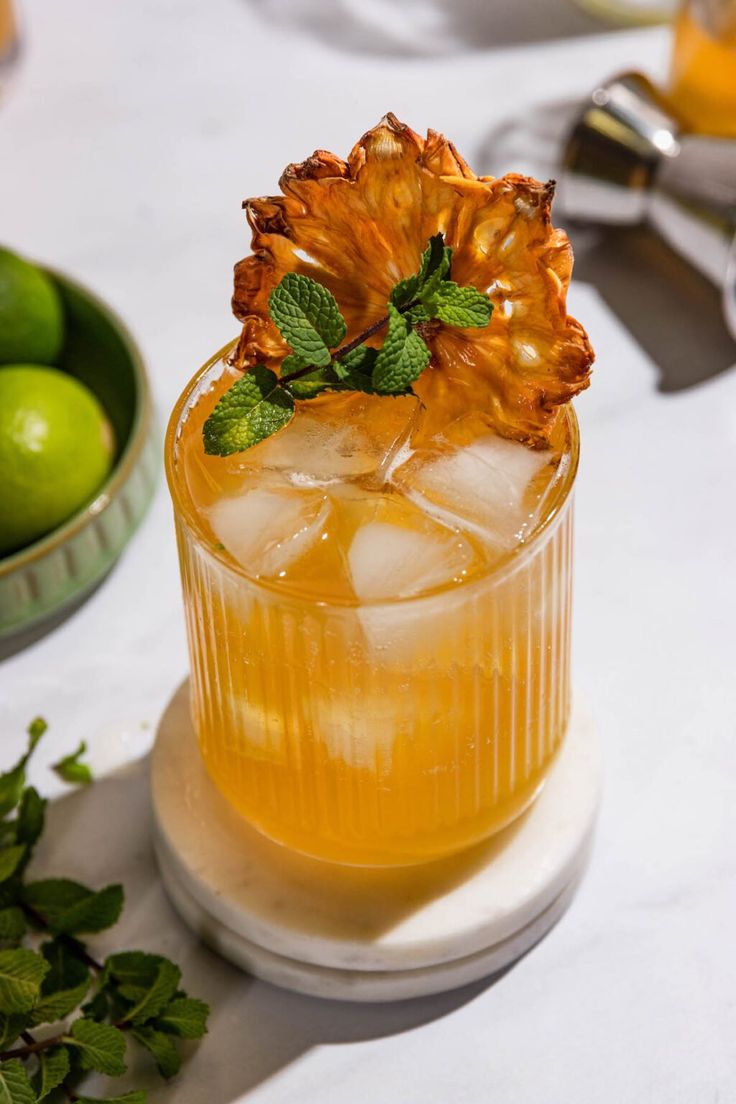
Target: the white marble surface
pixel 368 934
pixel 134 132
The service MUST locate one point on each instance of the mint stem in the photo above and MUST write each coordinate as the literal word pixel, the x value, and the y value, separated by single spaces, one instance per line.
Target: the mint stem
pixel 361 337
pixel 31 1048
pixel 37 1045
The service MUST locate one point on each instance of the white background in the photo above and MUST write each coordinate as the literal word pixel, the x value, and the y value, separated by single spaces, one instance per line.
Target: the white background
pixel 133 133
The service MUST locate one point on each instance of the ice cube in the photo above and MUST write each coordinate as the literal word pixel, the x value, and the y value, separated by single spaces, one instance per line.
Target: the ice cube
pixel 398 551
pixel 394 551
pixel 386 561
pixel 338 437
pixel 254 730
pixel 360 732
pixel 487 487
pixel 268 528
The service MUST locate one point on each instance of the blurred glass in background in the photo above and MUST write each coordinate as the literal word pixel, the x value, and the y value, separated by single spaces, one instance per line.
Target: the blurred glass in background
pixel 9 44
pixel 703 70
pixel 702 85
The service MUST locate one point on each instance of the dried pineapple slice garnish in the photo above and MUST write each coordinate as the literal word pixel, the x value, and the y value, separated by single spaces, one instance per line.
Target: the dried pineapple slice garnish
pixel 359 226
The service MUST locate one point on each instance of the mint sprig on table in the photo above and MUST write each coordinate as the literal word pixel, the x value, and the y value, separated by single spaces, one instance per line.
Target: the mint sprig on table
pixel 309 320
pixel 63 1013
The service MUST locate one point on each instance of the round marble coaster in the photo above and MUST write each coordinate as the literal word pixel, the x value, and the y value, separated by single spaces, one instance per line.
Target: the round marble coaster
pixel 367 934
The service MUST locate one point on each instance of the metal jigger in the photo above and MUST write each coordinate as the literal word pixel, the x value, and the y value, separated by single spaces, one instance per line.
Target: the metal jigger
pixel 622 158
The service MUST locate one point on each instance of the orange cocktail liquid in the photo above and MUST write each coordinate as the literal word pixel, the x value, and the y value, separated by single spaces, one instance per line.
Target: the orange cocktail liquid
pixel 703 68
pixel 379 634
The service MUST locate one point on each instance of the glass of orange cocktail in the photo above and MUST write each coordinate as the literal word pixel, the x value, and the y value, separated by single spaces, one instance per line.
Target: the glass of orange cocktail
pixel 378 595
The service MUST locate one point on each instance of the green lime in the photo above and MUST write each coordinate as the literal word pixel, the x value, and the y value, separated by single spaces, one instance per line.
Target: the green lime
pixel 56 448
pixel 31 315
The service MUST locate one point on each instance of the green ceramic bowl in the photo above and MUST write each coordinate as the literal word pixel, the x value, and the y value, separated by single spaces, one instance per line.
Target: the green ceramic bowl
pixel 58 570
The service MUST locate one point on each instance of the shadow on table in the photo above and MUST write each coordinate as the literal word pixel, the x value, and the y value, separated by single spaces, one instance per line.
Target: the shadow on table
pixel 672 311
pixel 428 27
pixel 102 835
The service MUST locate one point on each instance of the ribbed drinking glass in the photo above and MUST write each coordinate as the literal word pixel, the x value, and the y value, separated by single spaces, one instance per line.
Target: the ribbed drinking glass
pixel 382 733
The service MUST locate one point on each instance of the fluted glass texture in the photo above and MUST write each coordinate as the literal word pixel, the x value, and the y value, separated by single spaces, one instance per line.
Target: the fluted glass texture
pixel 382 733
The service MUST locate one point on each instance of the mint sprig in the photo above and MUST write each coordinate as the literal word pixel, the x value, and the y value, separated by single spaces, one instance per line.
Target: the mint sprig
pixel 132 995
pixel 309 320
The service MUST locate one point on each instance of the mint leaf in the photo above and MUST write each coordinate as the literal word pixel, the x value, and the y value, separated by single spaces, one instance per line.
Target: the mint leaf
pixel 402 359
pixel 58 1005
pixel 31 816
pixel 139 1097
pixel 65 985
pixel 293 363
pixel 309 386
pixel 358 361
pixel 11 1025
pixel 100 1046
pixel 132 971
pixel 97 1008
pixel 68 907
pixel 461 306
pixel 53 1067
pixel 10 860
pixel 21 974
pixel 185 1017
pixel 12 924
pixel 69 769
pixel 308 318
pixel 354 370
pixel 403 293
pixel 11 788
pixel 66 969
pixel 159 994
pixel 418 314
pixel 145 982
pixel 436 260
pixel 255 407
pixel 435 267
pixel 162 1047
pixel 15 1086
pixel 13 781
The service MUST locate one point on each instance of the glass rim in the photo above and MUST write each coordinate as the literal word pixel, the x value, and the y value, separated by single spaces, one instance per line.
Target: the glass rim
pixel 513 560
